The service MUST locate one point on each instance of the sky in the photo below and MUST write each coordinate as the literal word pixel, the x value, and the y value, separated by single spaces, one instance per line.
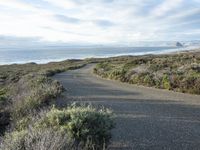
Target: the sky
pixel 99 21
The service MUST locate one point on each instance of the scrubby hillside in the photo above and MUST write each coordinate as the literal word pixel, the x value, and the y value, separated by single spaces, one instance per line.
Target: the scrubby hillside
pixel 29 120
pixel 27 88
pixel 178 72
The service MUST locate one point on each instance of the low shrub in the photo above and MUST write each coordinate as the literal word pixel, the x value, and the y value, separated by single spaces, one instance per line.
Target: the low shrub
pixel 190 84
pixel 117 74
pixel 36 139
pixel 3 95
pixel 33 92
pixel 4 114
pixel 166 82
pixel 13 141
pixel 82 124
pixel 76 127
pixel 149 80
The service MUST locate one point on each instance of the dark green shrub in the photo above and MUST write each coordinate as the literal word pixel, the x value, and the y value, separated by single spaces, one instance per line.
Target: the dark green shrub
pixel 2 98
pixel 130 65
pixel 95 70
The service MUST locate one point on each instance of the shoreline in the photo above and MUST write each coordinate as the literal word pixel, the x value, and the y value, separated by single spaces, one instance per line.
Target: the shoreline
pixel 164 52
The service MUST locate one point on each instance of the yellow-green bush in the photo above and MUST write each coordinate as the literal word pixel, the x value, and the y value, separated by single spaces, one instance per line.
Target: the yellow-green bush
pixel 166 82
pixel 82 124
pixel 76 127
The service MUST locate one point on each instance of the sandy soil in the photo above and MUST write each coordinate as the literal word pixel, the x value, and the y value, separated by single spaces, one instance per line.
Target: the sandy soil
pixel 146 118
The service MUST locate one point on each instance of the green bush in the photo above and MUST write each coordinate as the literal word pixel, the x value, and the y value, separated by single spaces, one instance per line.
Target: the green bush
pixel 3 95
pixel 166 82
pixel 76 127
pixel 82 124
pixel 2 98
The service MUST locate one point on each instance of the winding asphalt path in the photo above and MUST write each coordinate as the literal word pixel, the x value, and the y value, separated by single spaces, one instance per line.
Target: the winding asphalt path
pixel 146 118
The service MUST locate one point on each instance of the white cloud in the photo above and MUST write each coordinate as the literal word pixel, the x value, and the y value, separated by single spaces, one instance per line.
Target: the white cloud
pixel 165 7
pixel 62 3
pixel 16 5
pixel 94 21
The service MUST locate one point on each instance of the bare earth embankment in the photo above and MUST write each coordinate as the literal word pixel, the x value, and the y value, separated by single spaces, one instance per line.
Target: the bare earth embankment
pixel 146 118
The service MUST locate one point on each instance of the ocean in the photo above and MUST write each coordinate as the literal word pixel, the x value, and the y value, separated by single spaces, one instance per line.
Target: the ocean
pixel 42 55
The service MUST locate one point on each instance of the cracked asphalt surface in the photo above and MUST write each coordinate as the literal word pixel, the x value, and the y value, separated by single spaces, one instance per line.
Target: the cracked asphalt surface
pixel 146 118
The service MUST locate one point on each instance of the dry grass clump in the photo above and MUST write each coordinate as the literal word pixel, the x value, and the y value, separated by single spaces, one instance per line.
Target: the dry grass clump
pixel 33 92
pixel 35 139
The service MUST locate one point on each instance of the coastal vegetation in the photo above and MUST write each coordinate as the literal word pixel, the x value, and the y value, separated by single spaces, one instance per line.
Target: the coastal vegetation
pixel 27 88
pixel 30 119
pixel 75 127
pixel 177 72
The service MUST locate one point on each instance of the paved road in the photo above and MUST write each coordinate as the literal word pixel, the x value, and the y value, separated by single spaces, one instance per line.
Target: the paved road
pixel 147 118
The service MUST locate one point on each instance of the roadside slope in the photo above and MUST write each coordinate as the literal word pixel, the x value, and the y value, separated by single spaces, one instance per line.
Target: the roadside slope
pixel 146 118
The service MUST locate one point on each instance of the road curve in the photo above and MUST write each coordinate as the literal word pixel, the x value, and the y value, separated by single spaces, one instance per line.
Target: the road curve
pixel 146 118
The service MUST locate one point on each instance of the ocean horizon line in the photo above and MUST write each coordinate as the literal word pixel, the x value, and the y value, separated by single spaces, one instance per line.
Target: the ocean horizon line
pixel 102 55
